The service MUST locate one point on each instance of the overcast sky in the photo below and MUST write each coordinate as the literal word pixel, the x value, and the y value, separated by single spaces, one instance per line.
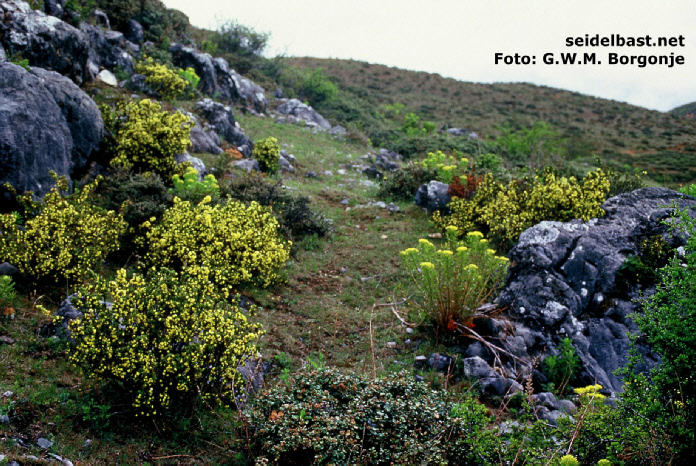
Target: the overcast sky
pixel 459 38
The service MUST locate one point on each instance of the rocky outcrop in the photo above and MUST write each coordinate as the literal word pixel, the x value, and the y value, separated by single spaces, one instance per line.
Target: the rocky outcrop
pixel 221 118
pixel 46 124
pixel 46 41
pixel 432 196
pixel 562 282
pixel 134 32
pixel 108 49
pixel 204 142
pixel 462 132
pixel 294 110
pixel 217 79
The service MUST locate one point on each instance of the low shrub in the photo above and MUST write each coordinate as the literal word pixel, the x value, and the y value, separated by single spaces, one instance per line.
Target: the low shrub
pixel 63 237
pixel 294 213
pixel 561 368
pixel 139 197
pixel 464 190
pixel 454 281
pixel 144 138
pixel 326 417
pixel 8 295
pixel 164 340
pixel 505 211
pixel 267 153
pixel 240 244
pixel 403 183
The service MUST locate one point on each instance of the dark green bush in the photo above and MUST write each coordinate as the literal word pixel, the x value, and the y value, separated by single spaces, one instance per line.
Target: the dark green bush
pixel 326 417
pixel 403 183
pixel 294 213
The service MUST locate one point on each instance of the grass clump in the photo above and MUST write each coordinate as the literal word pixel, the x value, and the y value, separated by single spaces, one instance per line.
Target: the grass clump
pixel 454 281
pixel 240 244
pixel 165 339
pixel 144 138
pixel 63 237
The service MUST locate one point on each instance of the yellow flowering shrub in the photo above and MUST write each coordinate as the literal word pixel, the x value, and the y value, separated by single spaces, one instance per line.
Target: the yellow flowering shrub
pixel 165 339
pixel 454 281
pixel 146 138
pixel 169 83
pixel 239 243
pixel 505 211
pixel 64 236
pixel 267 153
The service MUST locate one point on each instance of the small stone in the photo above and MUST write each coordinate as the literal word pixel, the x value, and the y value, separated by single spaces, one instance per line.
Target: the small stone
pixel 409 330
pixel 384 237
pixel 391 344
pixel 418 378
pixel 435 235
pixel 108 78
pixel 341 171
pixel 343 270
pixel 327 173
pixel 4 419
pixel 344 202
pixel 87 442
pixel 391 207
pixel 44 443
pixel 311 174
pixel 7 394
pixel 6 340
pixel 408 342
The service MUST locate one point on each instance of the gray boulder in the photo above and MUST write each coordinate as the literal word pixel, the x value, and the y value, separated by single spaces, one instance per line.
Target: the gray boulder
pixel 462 132
pixel 285 165
pixel 54 8
pixel 248 165
pixel 134 31
pixel 477 368
pixel 39 114
pixel 432 196
pixel 3 56
pixel 204 142
pixel 562 282
pixel 221 118
pixel 108 49
pixel 46 41
pixel 195 163
pixel 217 79
pixel 79 112
pixel 497 386
pixel 306 113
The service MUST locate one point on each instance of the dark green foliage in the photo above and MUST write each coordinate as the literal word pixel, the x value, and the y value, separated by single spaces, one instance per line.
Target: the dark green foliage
pixel 623 179
pixel 240 45
pixel 654 253
pixel 419 146
pixel 403 183
pixel 535 147
pixel 329 417
pixel 139 197
pixel 560 368
pixel 666 399
pixel 294 213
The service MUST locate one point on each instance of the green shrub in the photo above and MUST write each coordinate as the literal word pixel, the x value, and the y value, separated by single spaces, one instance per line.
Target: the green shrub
pixel 63 238
pixel 144 138
pixel 453 282
pixel 165 339
pixel 560 368
pixel 294 213
pixel 537 146
pixel 505 211
pixel 689 190
pixel 138 197
pixel 317 88
pixel 8 295
pixel 267 153
pixel 665 401
pixel 446 166
pixel 240 244
pixel 326 417
pixel 403 183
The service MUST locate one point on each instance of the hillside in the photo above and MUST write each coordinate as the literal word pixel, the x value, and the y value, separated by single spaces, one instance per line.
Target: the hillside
pixel 196 269
pixel 686 110
pixel 661 143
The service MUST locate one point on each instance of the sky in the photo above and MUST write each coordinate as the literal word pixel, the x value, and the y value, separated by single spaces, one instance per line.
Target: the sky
pixel 460 38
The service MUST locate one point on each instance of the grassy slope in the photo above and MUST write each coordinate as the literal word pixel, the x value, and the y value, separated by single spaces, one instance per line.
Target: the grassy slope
pixel 661 143
pixel 320 313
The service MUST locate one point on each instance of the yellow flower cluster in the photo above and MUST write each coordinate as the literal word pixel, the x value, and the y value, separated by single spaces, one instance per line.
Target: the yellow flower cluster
pixel 447 166
pixel 164 80
pixel 165 338
pixel 147 138
pixel 589 393
pixel 239 243
pixel 65 239
pixel 505 211
pixel 267 153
